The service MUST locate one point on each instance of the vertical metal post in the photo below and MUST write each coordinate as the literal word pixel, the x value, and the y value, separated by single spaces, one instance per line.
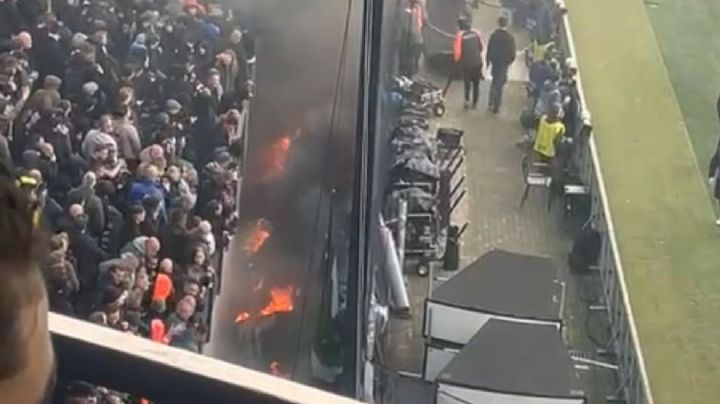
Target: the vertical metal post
pixel 360 282
pixel 402 230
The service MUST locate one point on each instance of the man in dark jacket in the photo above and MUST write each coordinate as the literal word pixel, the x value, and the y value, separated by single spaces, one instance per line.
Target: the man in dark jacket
pixel 84 195
pixel 49 47
pixel 467 53
pixel 85 249
pixel 500 55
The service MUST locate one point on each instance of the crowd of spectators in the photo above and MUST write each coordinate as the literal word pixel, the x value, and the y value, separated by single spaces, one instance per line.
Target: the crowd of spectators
pixel 122 119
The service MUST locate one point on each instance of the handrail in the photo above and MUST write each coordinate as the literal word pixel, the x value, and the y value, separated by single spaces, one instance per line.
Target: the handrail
pixel 636 390
pixel 165 374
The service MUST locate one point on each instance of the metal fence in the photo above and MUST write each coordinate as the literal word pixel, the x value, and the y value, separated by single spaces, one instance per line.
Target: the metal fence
pixel 633 381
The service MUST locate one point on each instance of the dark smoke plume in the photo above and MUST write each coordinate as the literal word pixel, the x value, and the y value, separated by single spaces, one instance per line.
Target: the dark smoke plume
pixel 299 52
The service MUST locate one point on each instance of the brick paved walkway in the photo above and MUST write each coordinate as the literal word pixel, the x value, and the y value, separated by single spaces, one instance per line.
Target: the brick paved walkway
pixel 495 184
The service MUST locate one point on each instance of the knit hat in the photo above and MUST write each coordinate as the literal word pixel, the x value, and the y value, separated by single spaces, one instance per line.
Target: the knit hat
pixel 222 157
pixel 173 107
pixel 211 31
pixel 90 88
pixel 52 82
pixel 77 40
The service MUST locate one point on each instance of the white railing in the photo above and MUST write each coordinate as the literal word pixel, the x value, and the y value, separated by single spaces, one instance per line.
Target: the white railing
pixel 634 386
pixel 172 366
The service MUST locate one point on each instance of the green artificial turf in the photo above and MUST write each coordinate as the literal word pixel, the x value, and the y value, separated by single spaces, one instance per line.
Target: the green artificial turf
pixel 689 38
pixel 663 217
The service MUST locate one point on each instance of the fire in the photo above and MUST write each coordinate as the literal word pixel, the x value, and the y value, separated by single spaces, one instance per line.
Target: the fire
pixel 277 155
pixel 276 158
pixel 275 370
pixel 280 301
pixel 242 317
pixel 258 237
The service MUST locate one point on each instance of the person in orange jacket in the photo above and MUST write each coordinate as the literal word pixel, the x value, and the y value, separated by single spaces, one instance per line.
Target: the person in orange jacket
pixel 413 21
pixel 467 54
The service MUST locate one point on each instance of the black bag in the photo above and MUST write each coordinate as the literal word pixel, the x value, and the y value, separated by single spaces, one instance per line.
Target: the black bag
pixel 529 120
pixel 585 250
pixel 451 260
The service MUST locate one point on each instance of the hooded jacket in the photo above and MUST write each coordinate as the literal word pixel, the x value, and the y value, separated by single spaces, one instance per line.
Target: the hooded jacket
pixel 141 189
pixel 94 141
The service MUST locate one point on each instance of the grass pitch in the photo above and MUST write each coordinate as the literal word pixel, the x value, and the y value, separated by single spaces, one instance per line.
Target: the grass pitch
pixel 658 198
pixel 689 37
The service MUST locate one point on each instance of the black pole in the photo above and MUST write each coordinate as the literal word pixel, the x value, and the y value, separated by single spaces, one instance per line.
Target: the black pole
pixel 360 281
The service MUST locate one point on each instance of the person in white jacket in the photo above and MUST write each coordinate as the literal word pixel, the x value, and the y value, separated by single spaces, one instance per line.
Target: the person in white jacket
pixel 207 236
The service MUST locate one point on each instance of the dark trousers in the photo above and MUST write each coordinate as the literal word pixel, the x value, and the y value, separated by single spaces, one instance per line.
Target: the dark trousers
pixel 410 59
pixel 416 50
pixel 499 78
pixel 471 80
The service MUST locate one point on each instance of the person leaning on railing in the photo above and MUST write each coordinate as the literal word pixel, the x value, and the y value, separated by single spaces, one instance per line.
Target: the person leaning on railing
pixel 549 133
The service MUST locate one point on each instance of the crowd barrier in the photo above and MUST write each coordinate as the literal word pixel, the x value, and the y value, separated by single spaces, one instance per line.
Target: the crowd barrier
pixel 634 386
pixel 222 242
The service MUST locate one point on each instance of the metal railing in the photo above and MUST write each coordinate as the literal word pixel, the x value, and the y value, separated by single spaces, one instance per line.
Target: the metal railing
pixel 634 386
pixel 164 374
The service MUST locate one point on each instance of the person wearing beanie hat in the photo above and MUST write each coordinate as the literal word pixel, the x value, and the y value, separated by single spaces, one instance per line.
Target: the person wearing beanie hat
pixel 77 40
pixel 90 88
pixel 138 48
pixel 52 82
pixel 210 31
pixel 172 107
pixel 47 98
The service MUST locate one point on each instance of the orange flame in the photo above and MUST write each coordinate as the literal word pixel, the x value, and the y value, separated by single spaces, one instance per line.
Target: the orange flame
pixel 275 370
pixel 276 158
pixel 257 238
pixel 280 301
pixel 242 317
pixel 277 155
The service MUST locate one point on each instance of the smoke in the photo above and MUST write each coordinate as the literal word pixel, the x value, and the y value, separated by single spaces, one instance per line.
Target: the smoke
pixel 299 53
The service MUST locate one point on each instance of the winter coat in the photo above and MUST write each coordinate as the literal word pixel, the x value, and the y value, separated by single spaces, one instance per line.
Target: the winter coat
pixel 92 204
pixel 501 50
pixel 142 188
pixel 88 255
pixel 128 139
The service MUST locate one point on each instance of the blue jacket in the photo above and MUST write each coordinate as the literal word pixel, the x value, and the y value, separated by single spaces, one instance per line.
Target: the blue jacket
pixel 140 189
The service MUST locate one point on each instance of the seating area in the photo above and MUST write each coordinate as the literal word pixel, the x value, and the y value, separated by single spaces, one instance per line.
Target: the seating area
pixel 124 123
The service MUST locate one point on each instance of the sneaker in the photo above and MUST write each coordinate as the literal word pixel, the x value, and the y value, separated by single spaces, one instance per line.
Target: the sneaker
pixel 717 222
pixel 474 106
pixel 466 105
